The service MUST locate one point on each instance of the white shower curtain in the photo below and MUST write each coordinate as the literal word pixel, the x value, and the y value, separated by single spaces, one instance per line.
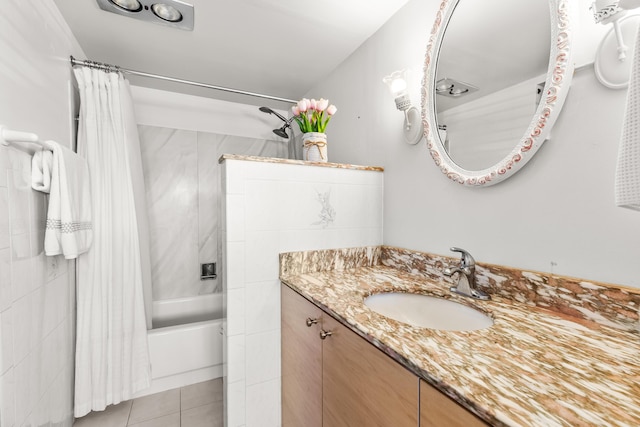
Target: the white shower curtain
pixel 112 357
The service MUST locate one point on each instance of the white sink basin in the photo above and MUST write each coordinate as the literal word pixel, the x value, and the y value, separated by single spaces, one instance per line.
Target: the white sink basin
pixel 428 312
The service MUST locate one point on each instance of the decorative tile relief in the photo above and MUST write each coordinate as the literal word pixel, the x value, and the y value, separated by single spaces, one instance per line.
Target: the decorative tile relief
pixel 327 212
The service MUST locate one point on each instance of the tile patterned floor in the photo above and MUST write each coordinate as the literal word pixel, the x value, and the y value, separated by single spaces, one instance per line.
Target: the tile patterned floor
pixel 197 405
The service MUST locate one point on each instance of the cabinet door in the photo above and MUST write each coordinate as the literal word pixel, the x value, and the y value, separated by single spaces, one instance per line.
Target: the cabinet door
pixel 301 361
pixel 362 386
pixel 437 410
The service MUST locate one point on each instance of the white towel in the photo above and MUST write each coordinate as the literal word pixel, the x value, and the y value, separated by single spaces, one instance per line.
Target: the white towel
pixel 627 181
pixel 41 163
pixel 69 229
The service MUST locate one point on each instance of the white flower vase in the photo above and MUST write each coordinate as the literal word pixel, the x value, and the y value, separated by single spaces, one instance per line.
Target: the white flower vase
pixel 314 147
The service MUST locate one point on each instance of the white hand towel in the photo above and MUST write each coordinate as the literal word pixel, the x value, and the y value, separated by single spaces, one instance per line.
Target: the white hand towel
pixel 627 181
pixel 41 170
pixel 69 228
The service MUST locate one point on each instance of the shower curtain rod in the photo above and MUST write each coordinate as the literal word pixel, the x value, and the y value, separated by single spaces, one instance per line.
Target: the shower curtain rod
pixel 115 68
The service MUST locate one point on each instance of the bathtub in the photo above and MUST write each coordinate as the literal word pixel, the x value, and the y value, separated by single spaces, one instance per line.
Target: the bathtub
pixel 185 344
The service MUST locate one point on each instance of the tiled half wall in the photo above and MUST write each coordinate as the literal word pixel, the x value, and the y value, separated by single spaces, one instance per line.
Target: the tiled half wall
pixel 269 208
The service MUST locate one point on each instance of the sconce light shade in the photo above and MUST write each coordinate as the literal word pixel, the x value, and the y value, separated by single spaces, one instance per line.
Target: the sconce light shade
pixel 397 84
pixel 606 11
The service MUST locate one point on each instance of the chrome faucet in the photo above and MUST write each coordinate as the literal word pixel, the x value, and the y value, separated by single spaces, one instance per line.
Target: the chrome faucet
pixel 466 277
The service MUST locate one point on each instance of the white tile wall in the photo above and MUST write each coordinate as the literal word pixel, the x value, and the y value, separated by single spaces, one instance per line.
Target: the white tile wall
pixel 36 293
pixel 36 307
pixel 264 405
pixel 270 208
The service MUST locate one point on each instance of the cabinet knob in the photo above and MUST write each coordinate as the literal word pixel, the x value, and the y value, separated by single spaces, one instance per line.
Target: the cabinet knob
pixel 324 334
pixel 311 321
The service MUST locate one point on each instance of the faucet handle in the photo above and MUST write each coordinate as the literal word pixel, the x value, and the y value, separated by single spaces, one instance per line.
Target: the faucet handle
pixel 467 260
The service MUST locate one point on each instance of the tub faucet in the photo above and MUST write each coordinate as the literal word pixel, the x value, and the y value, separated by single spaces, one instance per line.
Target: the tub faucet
pixel 466 277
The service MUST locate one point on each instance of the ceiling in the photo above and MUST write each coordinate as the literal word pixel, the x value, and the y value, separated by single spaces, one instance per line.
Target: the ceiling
pixel 276 47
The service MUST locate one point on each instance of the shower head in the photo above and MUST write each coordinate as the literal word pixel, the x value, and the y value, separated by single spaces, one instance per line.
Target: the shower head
pixel 282 131
pixel 270 111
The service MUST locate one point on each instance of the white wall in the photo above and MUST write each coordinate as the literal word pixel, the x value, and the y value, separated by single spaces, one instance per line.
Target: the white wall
pixel 160 108
pixel 267 209
pixel 37 293
pixel 556 215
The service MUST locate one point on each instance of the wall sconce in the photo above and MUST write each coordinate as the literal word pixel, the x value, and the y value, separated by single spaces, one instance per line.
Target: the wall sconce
pixel 397 83
pixel 611 67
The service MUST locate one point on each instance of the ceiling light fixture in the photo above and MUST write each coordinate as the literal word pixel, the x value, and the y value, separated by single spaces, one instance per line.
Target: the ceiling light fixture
pixel 454 88
pixel 128 5
pixel 174 13
pixel 397 83
pixel 166 12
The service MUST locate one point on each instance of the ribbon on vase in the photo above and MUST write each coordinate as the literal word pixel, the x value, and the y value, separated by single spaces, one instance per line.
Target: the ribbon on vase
pixel 318 144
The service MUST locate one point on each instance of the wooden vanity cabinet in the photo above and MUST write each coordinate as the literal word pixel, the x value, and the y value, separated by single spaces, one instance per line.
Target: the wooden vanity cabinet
pixel 438 410
pixel 301 361
pixel 362 386
pixel 342 380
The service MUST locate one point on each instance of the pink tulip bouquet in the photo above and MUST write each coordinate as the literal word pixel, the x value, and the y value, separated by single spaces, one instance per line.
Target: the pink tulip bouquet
pixel 312 115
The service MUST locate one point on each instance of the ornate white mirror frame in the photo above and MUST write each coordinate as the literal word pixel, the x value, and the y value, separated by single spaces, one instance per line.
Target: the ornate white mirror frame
pixel 558 81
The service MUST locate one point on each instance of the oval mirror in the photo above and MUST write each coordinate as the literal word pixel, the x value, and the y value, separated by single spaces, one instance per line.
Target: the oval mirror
pixel 493 87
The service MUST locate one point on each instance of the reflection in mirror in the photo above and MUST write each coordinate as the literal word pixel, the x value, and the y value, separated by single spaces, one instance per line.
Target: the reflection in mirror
pixel 488 78
pixel 496 75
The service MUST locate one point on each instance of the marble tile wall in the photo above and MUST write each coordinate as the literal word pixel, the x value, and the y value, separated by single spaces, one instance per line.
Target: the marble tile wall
pixel 269 208
pixel 181 178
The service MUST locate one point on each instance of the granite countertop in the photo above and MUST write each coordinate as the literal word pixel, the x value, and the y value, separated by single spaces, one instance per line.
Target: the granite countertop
pixel 533 367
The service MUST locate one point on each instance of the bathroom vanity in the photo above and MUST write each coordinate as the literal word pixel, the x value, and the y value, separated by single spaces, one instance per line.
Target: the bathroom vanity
pixel 344 364
pixel 327 378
